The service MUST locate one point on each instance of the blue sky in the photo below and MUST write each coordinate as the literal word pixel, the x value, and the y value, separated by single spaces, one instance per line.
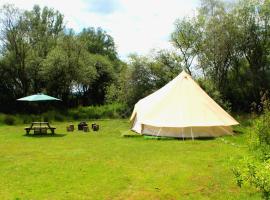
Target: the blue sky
pixel 137 26
pixel 103 7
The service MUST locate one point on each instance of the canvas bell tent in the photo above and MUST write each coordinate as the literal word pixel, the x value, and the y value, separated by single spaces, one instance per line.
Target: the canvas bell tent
pixel 181 109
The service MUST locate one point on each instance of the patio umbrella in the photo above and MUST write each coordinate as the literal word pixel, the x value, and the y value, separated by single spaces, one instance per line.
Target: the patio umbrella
pixel 38 98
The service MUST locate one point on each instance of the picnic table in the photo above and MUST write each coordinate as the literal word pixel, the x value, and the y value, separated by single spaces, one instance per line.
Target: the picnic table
pixel 39 128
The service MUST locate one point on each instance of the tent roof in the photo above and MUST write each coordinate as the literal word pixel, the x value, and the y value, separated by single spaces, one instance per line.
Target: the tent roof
pixel 181 103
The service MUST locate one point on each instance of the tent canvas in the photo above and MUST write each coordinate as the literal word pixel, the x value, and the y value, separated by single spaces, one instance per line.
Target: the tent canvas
pixel 181 109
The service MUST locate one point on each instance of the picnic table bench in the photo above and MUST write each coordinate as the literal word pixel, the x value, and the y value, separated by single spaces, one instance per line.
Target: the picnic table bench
pixel 40 127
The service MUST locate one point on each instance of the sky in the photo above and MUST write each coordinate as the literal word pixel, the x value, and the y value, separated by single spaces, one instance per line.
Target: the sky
pixel 137 26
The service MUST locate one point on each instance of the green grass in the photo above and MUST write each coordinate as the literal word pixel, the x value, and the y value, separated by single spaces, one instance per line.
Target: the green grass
pixel 105 165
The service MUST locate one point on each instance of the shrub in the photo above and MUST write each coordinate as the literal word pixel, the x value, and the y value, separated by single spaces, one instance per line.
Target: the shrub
pixel 59 117
pixel 254 173
pixel 26 119
pixel 255 170
pixel 260 140
pixel 115 110
pixel 9 120
pixel 74 114
pixel 49 116
pixel 97 112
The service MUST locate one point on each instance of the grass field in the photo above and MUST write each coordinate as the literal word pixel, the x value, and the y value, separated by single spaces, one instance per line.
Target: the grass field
pixel 105 165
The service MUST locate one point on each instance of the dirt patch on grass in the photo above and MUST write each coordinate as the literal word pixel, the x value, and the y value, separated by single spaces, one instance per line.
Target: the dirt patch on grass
pixel 205 185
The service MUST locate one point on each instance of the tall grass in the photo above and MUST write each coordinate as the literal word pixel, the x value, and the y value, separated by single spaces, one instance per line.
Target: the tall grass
pixel 109 111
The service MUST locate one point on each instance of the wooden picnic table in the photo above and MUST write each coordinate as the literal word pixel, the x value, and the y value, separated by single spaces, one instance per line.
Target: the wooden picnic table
pixel 40 127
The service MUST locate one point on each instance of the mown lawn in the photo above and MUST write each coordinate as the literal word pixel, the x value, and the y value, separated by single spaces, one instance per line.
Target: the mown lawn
pixel 107 166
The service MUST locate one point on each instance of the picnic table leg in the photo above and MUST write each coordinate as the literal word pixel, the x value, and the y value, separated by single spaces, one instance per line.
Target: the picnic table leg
pixel 27 131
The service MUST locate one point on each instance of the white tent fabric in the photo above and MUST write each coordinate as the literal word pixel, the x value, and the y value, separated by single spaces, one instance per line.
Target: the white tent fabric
pixel 181 109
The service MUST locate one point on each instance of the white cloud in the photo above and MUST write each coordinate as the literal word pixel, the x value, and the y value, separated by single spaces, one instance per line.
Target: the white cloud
pixel 137 26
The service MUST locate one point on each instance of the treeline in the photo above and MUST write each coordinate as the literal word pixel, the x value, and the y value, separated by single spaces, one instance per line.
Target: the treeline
pixel 225 46
pixel 38 54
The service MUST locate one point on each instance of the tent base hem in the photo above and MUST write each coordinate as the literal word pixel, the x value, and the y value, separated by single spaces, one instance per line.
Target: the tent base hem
pixel 184 132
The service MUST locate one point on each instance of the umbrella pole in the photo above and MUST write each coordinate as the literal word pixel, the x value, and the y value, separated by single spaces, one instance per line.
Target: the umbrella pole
pixel 40 117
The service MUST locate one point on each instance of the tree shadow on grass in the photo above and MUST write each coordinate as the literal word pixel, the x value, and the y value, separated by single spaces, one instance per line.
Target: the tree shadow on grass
pixel 44 135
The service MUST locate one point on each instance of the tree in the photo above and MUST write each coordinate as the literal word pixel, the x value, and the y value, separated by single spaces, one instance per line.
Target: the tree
pixel 44 28
pixel 186 37
pixel 15 46
pixel 254 25
pixel 165 66
pixel 144 75
pixel 232 49
pixel 217 51
pixel 26 39
pixel 68 67
pixel 99 42
pixel 39 54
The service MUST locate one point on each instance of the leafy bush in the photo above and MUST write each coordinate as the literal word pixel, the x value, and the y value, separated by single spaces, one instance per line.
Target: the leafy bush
pixel 255 170
pixel 260 142
pixel 97 112
pixel 26 119
pixel 59 117
pixel 82 113
pixel 74 114
pixel 254 173
pixel 9 120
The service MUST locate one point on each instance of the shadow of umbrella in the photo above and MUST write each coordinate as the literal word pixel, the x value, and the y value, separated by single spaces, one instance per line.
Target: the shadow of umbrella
pixel 38 98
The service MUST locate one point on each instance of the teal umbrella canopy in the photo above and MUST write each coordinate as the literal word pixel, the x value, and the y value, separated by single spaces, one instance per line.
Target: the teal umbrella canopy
pixel 39 97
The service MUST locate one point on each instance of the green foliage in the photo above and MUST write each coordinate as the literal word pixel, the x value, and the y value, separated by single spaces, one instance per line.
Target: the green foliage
pixel 108 111
pixel 66 67
pixel 228 44
pixel 231 44
pixel 261 138
pixel 27 119
pixel 186 37
pixel 97 41
pixel 143 76
pixel 9 120
pixel 106 75
pixel 39 55
pixel 211 89
pixel 255 169
pixel 254 173
pixel 97 112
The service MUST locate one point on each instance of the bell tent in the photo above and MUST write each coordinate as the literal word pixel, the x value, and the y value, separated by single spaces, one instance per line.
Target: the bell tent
pixel 181 109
